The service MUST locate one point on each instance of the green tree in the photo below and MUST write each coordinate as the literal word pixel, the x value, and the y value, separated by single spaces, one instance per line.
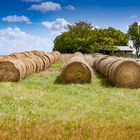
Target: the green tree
pixel 82 37
pixel 134 36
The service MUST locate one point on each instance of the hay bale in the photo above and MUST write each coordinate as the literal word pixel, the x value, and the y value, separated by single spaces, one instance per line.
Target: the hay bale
pixel 99 59
pixel 125 73
pixel 56 55
pixel 29 66
pixel 121 72
pixel 12 70
pixel 44 58
pixel 76 70
pixel 29 54
pixel 17 55
pixel 50 57
pixel 33 65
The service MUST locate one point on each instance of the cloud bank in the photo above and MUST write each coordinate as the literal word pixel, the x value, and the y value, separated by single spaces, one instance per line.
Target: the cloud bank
pixel 70 7
pixel 15 18
pixel 46 6
pixel 16 40
pixel 58 24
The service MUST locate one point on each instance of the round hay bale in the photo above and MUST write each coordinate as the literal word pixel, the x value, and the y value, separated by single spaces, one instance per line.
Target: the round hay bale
pixel 55 56
pixel 50 57
pixel 125 73
pixel 58 55
pixel 99 59
pixel 12 70
pixel 46 61
pixel 76 70
pixel 78 54
pixel 17 55
pixel 29 66
pixel 38 53
pixel 104 65
pixel 39 64
pixel 44 58
pixel 109 65
pixel 29 54
pixel 33 65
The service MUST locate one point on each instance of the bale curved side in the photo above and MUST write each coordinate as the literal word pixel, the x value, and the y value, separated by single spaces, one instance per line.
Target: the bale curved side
pixel 12 70
pixel 125 73
pixel 76 70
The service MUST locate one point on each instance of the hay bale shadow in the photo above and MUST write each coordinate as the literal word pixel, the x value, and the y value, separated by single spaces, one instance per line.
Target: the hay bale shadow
pixel 103 81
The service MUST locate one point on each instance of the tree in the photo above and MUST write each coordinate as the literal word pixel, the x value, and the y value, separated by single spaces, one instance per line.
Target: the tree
pixel 134 36
pixel 82 37
pixel 76 38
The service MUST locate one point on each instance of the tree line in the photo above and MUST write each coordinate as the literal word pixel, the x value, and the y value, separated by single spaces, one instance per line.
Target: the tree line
pixel 83 37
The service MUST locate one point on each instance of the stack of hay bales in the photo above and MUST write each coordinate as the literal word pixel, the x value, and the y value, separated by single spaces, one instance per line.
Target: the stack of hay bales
pixel 120 72
pixel 76 70
pixel 18 66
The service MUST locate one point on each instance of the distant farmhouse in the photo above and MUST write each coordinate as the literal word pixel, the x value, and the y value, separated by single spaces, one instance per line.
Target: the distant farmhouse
pixel 125 51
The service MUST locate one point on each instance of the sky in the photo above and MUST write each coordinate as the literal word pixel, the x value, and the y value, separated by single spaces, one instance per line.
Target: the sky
pixel 34 24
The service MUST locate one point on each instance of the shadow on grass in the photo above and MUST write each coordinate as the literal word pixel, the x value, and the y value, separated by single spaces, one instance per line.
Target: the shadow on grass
pixel 103 81
pixel 58 80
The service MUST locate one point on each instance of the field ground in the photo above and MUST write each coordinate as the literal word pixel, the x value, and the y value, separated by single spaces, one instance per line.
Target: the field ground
pixel 39 108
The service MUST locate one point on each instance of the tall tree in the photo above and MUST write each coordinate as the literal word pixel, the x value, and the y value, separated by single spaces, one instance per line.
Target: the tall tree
pixel 134 36
pixel 82 37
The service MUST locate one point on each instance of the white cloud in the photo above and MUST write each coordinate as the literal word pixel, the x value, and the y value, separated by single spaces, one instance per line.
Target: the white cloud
pixel 15 18
pixel 134 16
pixel 15 40
pixel 58 24
pixel 46 6
pixel 32 0
pixel 70 7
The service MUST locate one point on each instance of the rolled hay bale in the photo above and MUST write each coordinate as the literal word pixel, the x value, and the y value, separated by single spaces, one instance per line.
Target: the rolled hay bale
pixel 121 72
pixel 50 57
pixel 108 65
pixel 17 55
pixel 12 70
pixel 99 59
pixel 39 64
pixel 44 58
pixel 57 55
pixel 38 53
pixel 28 54
pixel 76 70
pixel 33 65
pixel 125 73
pixel 105 64
pixel 37 60
pixel 46 62
pixel 29 66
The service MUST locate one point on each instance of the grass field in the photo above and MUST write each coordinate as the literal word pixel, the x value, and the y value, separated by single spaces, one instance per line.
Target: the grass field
pixel 39 108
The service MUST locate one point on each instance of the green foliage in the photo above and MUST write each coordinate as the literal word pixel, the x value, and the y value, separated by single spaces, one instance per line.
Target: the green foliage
pixel 82 37
pixel 134 36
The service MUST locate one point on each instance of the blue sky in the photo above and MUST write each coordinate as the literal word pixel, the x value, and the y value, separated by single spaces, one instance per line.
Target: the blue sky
pixel 33 24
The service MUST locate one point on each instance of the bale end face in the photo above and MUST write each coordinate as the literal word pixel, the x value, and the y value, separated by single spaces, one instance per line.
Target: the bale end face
pixel 76 72
pixel 127 75
pixel 8 72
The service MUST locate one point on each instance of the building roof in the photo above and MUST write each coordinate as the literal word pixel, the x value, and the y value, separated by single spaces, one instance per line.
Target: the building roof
pixel 125 48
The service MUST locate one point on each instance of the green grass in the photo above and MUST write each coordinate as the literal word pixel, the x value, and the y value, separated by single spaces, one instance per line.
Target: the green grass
pixel 41 108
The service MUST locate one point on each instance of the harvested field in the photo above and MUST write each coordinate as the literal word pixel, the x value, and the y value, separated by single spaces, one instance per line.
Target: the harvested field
pixel 40 108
